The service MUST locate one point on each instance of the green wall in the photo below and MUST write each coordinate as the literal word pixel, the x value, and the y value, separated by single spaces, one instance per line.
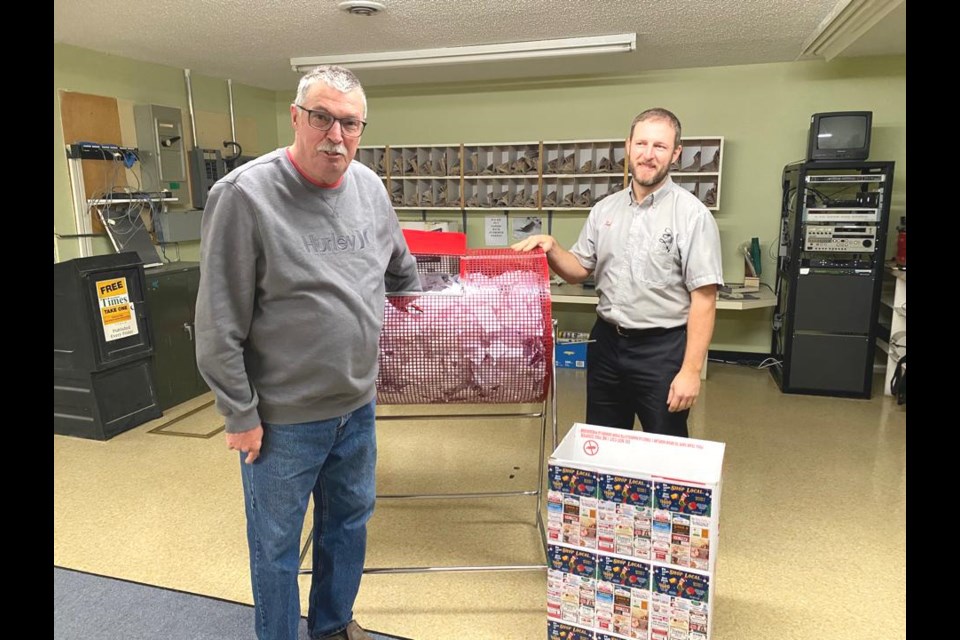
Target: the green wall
pixel 761 110
pixel 86 71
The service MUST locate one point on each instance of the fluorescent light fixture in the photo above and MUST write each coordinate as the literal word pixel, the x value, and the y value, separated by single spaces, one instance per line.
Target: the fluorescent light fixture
pixel 844 25
pixel 621 43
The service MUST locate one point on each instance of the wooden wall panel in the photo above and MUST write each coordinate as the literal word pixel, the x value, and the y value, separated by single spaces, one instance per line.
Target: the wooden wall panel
pixel 89 118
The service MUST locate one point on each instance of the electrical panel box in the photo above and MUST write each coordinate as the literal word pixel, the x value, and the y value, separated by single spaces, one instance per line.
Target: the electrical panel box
pixel 178 226
pixel 163 164
pixel 206 167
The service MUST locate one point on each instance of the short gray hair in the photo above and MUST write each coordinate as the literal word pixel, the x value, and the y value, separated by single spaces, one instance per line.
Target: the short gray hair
pixel 658 113
pixel 339 78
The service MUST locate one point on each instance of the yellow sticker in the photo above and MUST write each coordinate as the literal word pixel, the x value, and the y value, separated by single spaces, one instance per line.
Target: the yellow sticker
pixel 108 288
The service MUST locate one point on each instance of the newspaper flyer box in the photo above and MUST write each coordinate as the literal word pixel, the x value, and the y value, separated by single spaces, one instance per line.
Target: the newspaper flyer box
pixel 632 530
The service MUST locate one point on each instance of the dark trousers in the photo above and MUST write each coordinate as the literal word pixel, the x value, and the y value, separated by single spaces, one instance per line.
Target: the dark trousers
pixel 631 375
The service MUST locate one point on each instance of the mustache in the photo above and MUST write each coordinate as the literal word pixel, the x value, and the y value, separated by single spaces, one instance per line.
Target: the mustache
pixel 329 147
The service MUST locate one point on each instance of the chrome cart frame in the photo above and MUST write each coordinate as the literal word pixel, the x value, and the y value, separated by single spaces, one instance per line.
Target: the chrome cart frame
pixel 538 492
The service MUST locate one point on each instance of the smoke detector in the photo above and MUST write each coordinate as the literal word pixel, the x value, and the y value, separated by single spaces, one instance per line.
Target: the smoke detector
pixel 361 7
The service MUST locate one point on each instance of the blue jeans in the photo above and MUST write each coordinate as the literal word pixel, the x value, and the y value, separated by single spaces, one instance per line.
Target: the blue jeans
pixel 335 460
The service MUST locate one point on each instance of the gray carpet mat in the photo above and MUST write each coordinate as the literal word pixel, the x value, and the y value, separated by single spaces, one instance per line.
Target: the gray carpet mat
pixel 92 607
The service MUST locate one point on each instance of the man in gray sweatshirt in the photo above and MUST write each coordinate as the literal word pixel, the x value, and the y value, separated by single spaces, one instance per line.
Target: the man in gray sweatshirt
pixel 297 250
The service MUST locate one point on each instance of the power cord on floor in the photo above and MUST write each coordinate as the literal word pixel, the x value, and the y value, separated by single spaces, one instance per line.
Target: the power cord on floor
pixel 751 363
pixel 770 362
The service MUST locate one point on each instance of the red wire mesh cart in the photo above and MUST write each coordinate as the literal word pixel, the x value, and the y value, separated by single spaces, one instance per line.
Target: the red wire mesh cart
pixel 479 333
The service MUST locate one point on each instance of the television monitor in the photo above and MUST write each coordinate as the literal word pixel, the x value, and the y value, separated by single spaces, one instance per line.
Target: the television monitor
pixel 840 135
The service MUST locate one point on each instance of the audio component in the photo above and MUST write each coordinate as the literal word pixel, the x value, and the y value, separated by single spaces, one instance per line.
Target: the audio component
pixel 841 215
pixel 866 177
pixel 830 237
pixel 853 265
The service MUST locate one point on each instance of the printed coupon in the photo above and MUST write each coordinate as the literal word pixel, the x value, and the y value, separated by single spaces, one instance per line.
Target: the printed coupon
pixel 573 561
pixel 680 498
pixel 625 572
pixel 680 584
pixel 560 631
pixel 624 490
pixel 576 482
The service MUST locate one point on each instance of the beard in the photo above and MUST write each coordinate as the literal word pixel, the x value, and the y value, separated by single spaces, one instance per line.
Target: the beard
pixel 653 181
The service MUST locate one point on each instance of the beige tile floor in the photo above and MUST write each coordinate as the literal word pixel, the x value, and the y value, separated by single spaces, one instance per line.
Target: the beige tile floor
pixel 812 538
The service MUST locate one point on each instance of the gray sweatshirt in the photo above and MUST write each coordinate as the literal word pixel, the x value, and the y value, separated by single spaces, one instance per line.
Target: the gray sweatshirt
pixel 292 281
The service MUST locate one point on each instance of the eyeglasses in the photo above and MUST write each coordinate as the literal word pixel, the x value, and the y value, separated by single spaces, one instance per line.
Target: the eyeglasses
pixel 323 121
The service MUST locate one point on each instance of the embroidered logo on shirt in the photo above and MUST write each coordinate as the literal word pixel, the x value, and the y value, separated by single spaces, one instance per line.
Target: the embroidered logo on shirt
pixel 666 240
pixel 337 242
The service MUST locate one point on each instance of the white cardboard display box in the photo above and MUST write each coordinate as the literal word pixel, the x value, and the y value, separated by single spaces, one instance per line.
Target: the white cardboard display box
pixel 632 524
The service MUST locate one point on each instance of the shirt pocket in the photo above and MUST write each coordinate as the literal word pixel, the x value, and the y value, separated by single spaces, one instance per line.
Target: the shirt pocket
pixel 657 264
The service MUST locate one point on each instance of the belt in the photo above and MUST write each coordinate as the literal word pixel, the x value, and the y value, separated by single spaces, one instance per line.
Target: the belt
pixel 624 332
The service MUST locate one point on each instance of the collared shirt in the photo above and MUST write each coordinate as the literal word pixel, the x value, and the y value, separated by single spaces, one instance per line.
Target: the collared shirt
pixel 648 256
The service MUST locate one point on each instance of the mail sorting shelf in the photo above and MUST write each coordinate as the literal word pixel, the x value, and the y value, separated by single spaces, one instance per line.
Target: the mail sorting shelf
pixel 490 342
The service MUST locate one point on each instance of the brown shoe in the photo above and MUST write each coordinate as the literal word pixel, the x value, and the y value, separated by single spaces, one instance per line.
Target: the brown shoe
pixel 585 199
pixel 503 169
pixel 604 165
pixel 353 632
pixel 713 165
pixel 569 200
pixel 569 164
pixel 587 167
pixel 552 166
pixel 550 200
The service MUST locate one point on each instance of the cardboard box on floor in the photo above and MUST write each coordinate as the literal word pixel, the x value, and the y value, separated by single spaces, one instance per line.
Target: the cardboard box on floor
pixel 632 524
